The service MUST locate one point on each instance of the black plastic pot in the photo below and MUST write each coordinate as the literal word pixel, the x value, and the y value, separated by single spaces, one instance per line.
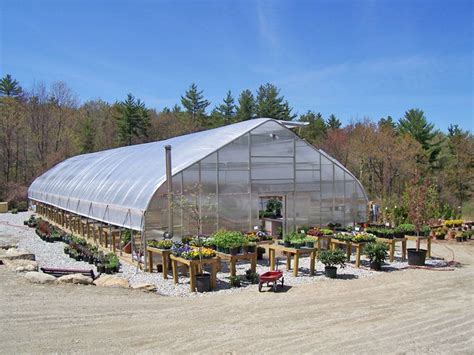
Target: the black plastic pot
pixel 251 248
pixel 203 283
pixel 330 271
pixel 376 265
pixel 440 237
pixel 416 257
pixel 101 268
pixel 234 251
pixel 309 244
pixel 287 243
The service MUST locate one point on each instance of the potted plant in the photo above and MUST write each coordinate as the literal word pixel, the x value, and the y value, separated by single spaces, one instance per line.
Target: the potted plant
pixel 287 241
pixel 309 242
pixel 331 258
pixel 235 281
pixel 297 243
pixel 377 253
pixel 260 252
pixel 417 195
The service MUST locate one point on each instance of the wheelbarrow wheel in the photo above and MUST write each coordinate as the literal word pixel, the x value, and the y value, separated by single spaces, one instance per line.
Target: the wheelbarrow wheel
pixel 275 286
pixel 282 281
pixel 259 287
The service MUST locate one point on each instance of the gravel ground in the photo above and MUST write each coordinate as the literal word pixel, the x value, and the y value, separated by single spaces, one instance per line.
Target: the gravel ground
pixel 52 255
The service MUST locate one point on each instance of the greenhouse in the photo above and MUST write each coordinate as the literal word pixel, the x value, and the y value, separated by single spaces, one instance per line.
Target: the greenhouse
pixel 224 178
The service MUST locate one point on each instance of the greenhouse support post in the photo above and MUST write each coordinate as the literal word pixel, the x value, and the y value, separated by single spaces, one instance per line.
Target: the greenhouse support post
pixel 169 185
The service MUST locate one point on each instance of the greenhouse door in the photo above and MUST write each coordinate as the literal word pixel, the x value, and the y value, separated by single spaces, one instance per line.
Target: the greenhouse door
pixel 272 212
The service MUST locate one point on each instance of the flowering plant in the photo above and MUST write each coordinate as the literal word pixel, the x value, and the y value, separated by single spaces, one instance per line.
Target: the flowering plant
pixel 198 253
pixel 363 237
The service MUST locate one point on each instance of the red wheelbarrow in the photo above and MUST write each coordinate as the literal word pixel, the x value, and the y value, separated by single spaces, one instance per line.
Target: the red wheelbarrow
pixel 270 277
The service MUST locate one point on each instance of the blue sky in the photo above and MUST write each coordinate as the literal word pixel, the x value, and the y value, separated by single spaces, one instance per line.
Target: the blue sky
pixel 350 58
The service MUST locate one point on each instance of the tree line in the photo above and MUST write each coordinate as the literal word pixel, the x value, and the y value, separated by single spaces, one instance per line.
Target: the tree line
pixel 45 125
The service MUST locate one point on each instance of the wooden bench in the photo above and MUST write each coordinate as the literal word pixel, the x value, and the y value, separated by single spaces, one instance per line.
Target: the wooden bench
pixel 61 272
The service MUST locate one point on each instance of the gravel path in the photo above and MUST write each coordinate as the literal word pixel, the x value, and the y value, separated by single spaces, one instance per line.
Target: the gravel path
pixel 52 255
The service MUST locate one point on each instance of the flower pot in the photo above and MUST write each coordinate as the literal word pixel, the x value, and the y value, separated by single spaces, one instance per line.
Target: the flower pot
pixel 287 243
pixel 297 246
pixel 416 257
pixel 376 265
pixel 309 244
pixel 440 237
pixel 458 239
pixel 234 251
pixel 330 271
pixel 203 283
pixel 252 248
pixel 100 268
pixel 245 249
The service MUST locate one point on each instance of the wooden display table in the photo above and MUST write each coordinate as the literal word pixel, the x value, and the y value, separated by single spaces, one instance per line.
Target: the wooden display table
pixel 165 256
pixel 348 244
pixel 427 239
pixel 296 253
pixel 391 243
pixel 232 259
pixel 194 266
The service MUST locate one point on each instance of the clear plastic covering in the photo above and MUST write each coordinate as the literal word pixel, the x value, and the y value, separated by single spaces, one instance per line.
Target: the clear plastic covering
pixel 225 170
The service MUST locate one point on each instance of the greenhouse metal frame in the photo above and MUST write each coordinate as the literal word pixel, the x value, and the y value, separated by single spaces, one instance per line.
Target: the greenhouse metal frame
pixel 219 177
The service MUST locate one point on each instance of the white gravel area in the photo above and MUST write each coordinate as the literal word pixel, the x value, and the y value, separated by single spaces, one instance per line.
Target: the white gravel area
pixel 52 255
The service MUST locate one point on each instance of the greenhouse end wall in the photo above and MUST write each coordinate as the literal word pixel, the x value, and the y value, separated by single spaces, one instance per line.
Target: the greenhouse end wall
pixel 222 191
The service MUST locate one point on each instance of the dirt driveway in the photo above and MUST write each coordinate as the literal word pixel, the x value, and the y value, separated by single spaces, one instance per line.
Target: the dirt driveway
pixel 411 311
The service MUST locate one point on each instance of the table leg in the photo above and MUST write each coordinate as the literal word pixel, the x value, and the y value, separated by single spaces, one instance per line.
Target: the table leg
pixel 165 260
pixel 271 256
pixel 358 255
pixel 296 258
pixel 404 250
pixel 319 246
pixel 213 276
pixel 253 263
pixel 392 251
pixel 428 244
pixel 150 261
pixel 288 261
pixel 174 266
pixel 348 251
pixel 313 260
pixel 113 242
pixel 232 267
pixel 192 277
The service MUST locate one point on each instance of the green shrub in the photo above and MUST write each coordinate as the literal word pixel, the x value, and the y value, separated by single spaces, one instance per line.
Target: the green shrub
pixel 376 252
pixel 333 258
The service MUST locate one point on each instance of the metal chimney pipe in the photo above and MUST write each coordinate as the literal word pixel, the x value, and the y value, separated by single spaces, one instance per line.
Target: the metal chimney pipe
pixel 169 187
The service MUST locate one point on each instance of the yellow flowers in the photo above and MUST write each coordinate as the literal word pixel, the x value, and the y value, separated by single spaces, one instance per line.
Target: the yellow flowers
pixel 453 223
pixel 197 253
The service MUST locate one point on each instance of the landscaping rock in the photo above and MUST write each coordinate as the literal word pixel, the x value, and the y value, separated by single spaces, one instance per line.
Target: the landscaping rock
pixel 111 281
pixel 145 287
pixel 74 279
pixel 20 265
pixel 40 278
pixel 13 254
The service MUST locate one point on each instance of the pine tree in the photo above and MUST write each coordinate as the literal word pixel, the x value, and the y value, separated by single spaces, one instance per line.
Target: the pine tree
pixel 387 122
pixel 133 121
pixel 316 130
pixel 333 122
pixel 270 104
pixel 415 124
pixel 227 108
pixel 10 87
pixel 87 135
pixel 246 108
pixel 194 102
